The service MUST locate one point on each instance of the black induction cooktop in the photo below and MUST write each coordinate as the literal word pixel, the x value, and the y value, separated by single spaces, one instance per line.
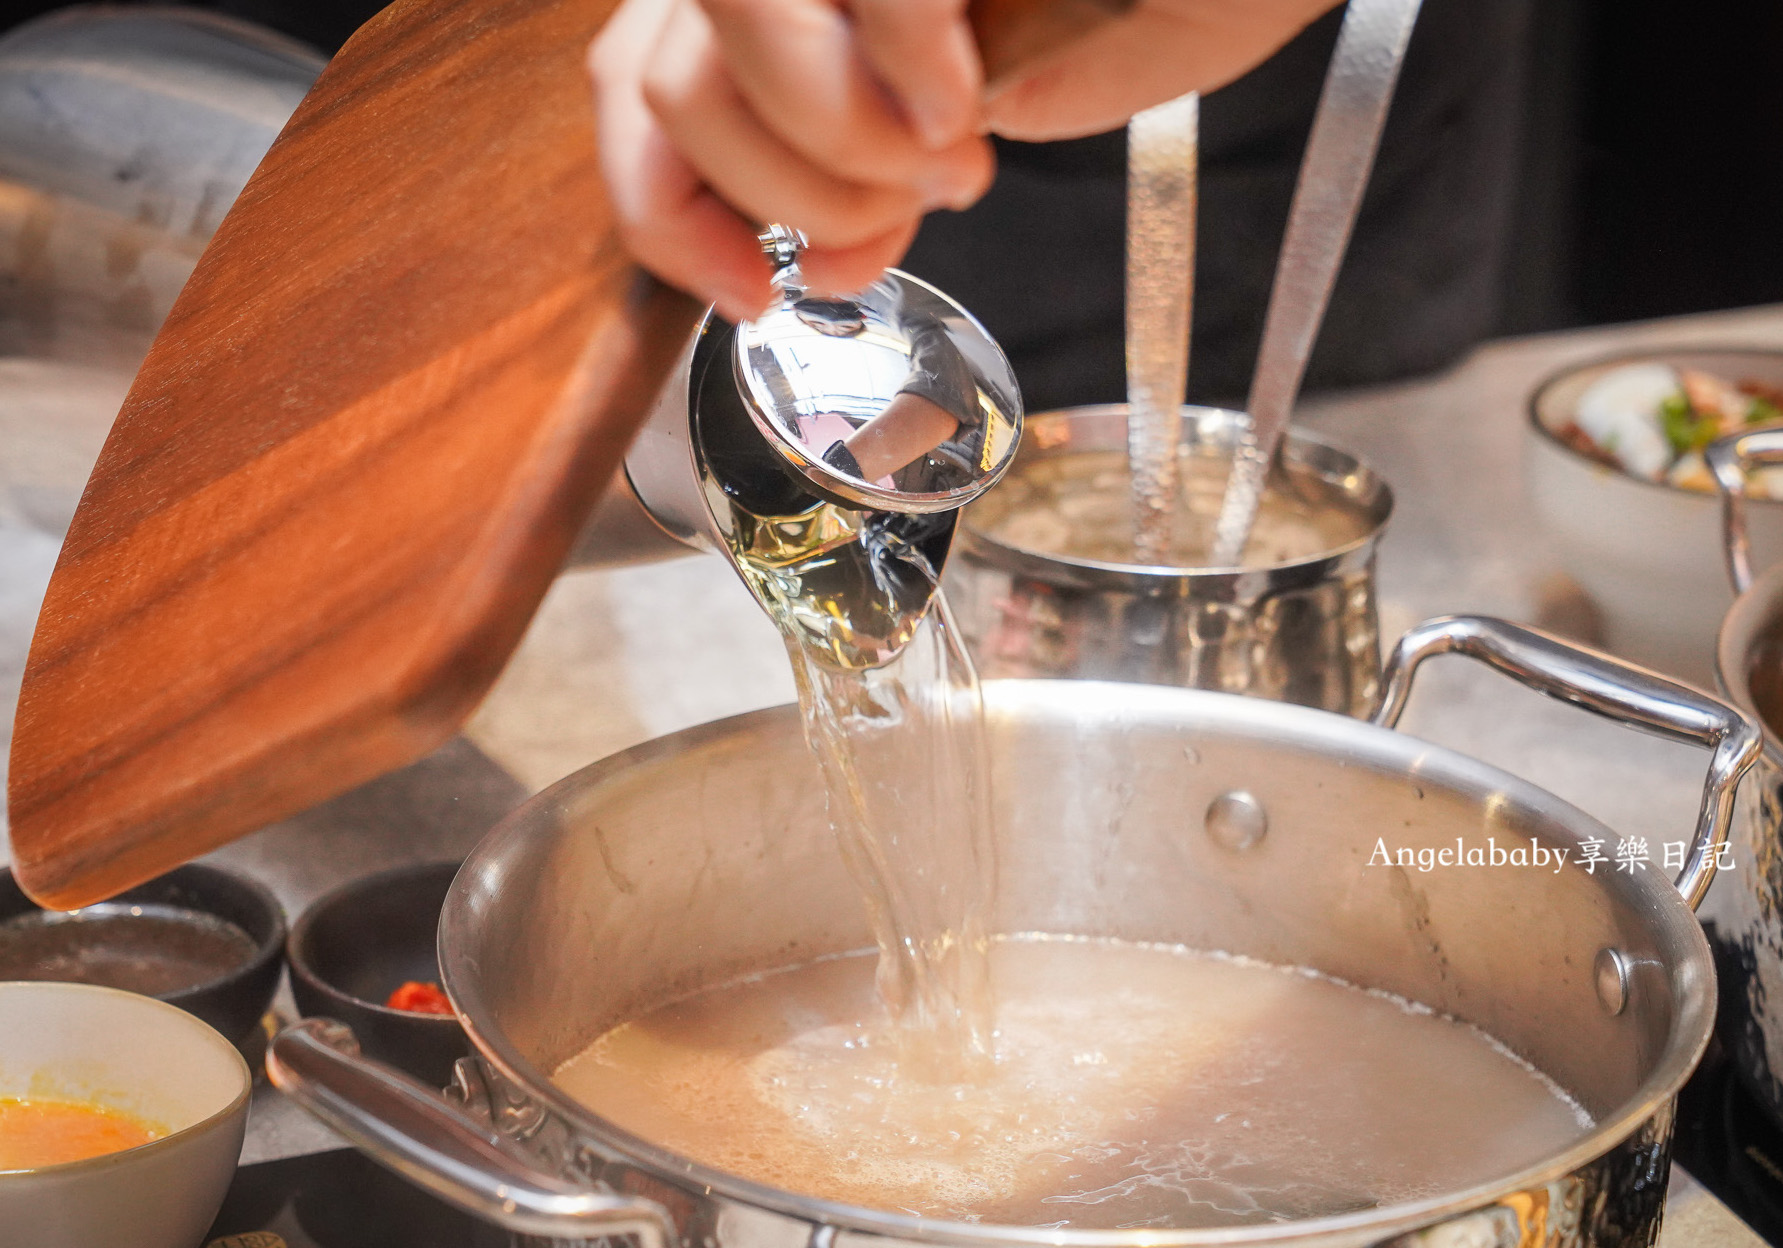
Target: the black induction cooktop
pixel 1731 1146
pixel 338 1199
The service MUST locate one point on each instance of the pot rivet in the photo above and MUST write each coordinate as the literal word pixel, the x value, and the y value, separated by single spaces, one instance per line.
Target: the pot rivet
pixel 1611 973
pixel 1236 820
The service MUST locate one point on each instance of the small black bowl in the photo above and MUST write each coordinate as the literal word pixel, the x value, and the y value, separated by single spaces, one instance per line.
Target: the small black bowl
pixel 359 943
pixel 232 1002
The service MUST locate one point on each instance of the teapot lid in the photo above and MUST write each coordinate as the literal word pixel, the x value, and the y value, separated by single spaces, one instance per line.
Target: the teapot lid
pixel 894 399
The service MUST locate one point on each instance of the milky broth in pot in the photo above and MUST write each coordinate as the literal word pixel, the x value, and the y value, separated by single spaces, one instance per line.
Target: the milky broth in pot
pixel 1131 1086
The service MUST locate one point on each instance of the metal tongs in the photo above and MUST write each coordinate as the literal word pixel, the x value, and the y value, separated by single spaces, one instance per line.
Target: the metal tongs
pixel 1339 157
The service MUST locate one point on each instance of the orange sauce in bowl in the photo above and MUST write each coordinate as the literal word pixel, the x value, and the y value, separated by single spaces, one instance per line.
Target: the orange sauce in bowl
pixel 37 1133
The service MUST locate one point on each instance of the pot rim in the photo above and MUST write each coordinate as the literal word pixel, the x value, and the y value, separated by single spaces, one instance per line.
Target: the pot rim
pixel 1648 894
pixel 1306 448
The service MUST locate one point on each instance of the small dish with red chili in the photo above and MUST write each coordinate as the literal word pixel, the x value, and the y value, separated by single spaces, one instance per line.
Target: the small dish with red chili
pixel 364 954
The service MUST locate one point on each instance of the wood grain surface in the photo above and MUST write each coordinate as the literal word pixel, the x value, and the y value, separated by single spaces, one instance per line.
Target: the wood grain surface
pixel 357 453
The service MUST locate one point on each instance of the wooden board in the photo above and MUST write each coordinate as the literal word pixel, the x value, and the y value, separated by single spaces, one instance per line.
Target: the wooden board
pixel 358 451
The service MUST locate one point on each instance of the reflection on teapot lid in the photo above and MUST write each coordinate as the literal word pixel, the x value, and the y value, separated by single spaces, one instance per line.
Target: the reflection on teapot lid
pixel 892 400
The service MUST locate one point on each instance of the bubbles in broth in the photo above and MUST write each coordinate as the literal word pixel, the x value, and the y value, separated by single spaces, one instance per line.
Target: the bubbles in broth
pixel 1132 1086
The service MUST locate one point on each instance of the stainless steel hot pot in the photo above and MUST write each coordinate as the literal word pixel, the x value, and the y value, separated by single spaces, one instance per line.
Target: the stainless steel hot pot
pixel 1745 912
pixel 1142 812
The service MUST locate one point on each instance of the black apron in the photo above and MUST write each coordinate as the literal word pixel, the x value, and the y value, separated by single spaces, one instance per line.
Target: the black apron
pixel 1040 259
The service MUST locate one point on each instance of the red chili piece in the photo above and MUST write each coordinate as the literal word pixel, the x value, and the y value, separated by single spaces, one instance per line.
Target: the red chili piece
pixel 420 998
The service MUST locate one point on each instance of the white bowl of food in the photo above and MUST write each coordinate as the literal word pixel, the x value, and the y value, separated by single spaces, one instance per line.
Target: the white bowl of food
pixel 121 1118
pixel 1617 478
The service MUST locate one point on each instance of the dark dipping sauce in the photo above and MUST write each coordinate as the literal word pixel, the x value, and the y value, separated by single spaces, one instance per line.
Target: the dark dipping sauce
pixel 146 948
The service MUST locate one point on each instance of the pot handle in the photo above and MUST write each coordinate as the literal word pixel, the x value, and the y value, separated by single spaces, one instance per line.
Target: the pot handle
pixel 402 1124
pixel 1606 686
pixel 1728 460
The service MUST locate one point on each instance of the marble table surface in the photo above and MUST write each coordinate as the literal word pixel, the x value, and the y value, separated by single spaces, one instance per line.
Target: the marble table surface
pixel 618 656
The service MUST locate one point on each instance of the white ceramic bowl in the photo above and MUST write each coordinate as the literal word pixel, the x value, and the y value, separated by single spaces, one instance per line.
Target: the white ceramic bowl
pixel 133 1053
pixel 1649 555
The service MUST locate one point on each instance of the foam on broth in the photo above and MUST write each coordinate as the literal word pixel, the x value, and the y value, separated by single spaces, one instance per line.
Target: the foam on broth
pixel 1079 506
pixel 1132 1086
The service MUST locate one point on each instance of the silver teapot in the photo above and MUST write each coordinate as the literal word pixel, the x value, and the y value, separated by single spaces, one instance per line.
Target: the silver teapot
pixel 825 448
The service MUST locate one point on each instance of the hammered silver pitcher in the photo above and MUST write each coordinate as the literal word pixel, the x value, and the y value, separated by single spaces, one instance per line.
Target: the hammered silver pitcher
pixel 1304 631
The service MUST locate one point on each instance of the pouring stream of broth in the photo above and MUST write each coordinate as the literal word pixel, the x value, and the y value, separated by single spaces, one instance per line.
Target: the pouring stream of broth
pixel 891 709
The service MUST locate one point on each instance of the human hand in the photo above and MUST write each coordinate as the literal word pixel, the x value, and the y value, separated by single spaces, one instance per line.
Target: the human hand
pixel 850 119
pixel 1159 50
pixel 849 124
